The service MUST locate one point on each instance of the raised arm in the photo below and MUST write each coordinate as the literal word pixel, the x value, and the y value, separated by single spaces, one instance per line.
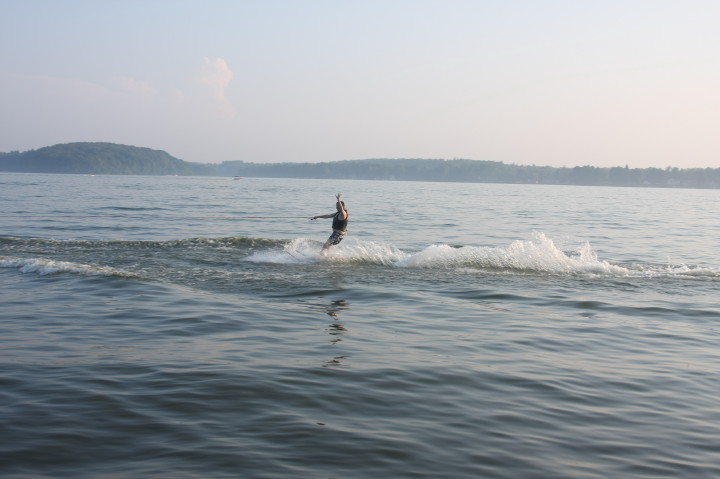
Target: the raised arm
pixel 341 209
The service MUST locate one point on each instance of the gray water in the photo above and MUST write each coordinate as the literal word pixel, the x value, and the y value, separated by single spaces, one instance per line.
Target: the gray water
pixel 175 327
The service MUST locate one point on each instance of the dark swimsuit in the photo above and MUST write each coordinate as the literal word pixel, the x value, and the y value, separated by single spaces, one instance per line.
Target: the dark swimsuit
pixel 338 224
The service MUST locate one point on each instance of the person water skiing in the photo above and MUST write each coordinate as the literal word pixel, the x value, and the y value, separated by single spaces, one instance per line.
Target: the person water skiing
pixel 339 224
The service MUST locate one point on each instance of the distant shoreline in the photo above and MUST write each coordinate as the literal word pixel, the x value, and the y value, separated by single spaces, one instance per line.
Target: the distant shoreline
pixel 115 159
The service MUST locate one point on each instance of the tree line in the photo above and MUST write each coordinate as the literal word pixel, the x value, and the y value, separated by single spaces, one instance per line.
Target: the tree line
pixel 476 171
pixel 114 159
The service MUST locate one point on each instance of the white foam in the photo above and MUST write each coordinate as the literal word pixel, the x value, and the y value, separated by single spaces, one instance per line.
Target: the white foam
pixel 539 254
pixel 353 250
pixel 298 251
pixel 678 270
pixel 44 266
pixel 303 251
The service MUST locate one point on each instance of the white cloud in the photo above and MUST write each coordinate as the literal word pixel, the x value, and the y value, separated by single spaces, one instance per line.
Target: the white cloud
pixel 216 75
pixel 42 110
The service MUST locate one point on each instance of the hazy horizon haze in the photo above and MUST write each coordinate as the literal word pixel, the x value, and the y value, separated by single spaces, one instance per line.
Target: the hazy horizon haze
pixel 555 83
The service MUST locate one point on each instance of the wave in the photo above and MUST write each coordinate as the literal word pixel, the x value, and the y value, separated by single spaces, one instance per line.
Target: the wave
pixel 234 241
pixel 43 266
pixel 537 255
pixel 540 255
pixel 304 251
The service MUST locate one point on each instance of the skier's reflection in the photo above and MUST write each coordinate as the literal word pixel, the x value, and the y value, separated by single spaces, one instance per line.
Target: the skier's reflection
pixel 336 329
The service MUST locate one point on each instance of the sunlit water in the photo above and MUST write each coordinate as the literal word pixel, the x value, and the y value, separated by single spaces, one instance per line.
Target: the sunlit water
pixel 174 327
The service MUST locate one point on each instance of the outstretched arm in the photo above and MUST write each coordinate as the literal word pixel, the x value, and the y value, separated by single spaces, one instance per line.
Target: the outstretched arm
pixel 323 216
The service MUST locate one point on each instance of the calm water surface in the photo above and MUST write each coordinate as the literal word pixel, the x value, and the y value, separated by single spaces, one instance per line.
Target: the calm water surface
pixel 178 327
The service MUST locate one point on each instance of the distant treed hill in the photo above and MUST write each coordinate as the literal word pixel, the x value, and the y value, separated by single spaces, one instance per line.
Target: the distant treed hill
pixel 98 158
pixel 376 169
pixel 475 171
pixel 114 159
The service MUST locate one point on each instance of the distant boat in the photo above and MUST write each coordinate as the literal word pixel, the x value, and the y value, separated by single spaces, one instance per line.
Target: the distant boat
pixel 237 178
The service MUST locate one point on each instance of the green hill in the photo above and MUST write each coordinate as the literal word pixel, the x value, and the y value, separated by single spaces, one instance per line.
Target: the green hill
pixel 98 158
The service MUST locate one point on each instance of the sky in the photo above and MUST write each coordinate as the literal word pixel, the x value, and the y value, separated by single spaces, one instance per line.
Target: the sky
pixel 546 82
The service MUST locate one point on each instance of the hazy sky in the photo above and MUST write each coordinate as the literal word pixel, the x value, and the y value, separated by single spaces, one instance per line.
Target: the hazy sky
pixel 560 83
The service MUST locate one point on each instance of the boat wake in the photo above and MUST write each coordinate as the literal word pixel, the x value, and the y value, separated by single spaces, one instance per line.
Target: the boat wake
pixel 536 255
pixel 44 266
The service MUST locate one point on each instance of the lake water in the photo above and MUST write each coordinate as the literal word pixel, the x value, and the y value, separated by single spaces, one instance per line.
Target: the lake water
pixel 183 327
